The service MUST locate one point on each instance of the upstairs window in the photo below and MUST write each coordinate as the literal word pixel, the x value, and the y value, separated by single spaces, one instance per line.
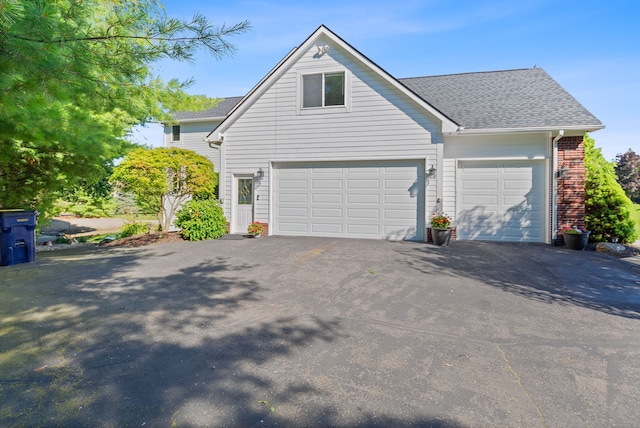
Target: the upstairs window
pixel 175 133
pixel 323 90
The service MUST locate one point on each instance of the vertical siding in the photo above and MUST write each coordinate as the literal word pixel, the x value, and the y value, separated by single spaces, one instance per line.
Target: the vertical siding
pixel 382 123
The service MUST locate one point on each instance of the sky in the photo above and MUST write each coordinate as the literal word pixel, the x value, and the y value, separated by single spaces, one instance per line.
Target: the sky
pixel 592 48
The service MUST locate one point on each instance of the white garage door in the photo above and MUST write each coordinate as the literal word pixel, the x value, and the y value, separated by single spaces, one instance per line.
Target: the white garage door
pixel 376 200
pixel 501 201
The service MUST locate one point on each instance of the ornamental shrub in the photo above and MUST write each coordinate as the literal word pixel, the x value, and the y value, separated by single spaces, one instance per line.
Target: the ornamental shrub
pixel 133 228
pixel 201 219
pixel 607 208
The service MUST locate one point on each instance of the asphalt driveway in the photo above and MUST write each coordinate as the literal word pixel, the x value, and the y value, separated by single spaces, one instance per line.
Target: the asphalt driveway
pixel 320 332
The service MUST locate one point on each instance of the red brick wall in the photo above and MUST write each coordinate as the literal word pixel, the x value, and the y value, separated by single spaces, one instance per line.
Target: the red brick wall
pixel 570 202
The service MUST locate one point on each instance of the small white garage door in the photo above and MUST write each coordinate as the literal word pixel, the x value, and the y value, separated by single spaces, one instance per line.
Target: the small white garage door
pixel 501 201
pixel 377 200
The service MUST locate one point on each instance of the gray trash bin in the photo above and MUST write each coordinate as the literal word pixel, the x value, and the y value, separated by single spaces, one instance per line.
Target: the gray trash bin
pixel 17 236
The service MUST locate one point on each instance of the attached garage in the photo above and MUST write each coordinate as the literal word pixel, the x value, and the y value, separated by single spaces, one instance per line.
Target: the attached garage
pixel 376 200
pixel 501 200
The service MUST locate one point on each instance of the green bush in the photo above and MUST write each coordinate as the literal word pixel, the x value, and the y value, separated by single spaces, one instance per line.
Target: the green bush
pixel 608 209
pixel 201 219
pixel 133 228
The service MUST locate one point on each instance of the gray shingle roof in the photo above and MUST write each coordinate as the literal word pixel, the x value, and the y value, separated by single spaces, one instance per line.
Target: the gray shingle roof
pixel 525 98
pixel 221 110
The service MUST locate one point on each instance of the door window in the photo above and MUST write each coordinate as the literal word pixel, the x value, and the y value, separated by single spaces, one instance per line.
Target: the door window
pixel 245 191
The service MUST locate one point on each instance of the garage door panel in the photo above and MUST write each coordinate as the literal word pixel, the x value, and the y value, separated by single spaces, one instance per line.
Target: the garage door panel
pixel 331 229
pixel 326 184
pixel 293 212
pixel 372 199
pixel 359 199
pixel 363 230
pixel 300 198
pixel 326 213
pixel 392 214
pixel 285 184
pixel 326 198
pixel 293 227
pixel 358 214
pixel 501 200
pixel 363 184
pixel 480 185
pixel 480 200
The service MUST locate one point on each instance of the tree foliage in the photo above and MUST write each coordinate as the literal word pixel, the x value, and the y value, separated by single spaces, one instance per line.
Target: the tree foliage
pixel 607 208
pixel 161 179
pixel 76 76
pixel 628 172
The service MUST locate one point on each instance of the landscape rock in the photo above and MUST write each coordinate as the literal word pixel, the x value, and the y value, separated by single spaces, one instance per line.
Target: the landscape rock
pixel 610 248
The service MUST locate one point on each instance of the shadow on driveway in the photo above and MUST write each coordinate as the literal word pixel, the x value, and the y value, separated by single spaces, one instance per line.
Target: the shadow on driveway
pixel 541 272
pixel 322 332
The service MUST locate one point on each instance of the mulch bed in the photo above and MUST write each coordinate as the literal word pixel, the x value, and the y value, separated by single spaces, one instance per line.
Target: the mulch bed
pixel 142 240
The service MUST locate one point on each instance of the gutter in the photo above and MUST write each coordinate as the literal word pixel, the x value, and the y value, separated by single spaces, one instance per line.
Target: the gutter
pixel 554 209
pixel 580 129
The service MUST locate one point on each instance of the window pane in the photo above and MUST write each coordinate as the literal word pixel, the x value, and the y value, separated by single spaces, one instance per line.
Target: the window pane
pixel 312 90
pixel 175 133
pixel 245 191
pixel 334 89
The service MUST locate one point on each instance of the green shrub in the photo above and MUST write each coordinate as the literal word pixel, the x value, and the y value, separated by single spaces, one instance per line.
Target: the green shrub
pixel 201 219
pixel 608 209
pixel 133 228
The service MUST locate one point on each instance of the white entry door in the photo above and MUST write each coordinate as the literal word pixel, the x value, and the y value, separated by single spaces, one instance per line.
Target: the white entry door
pixel 243 203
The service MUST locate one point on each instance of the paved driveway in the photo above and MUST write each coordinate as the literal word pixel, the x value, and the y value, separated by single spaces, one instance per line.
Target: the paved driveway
pixel 323 332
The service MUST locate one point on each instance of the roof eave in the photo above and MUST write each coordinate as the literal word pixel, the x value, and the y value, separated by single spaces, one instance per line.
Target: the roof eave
pixel 201 119
pixel 535 129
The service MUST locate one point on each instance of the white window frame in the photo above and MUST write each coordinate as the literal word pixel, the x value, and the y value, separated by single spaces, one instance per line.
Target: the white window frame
pixel 323 109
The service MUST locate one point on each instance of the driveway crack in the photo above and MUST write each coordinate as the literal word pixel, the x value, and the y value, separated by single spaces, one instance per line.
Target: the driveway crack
pixel 519 380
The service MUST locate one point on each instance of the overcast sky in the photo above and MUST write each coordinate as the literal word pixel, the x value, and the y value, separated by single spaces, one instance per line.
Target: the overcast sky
pixel 592 48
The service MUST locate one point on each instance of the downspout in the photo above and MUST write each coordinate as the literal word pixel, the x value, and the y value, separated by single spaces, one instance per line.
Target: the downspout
pixel 221 180
pixel 554 209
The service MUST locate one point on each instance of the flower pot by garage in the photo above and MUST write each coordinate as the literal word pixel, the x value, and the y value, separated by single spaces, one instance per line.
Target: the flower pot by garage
pixel 576 241
pixel 441 236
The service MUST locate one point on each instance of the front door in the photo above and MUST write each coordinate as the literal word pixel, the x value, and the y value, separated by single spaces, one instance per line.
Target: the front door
pixel 243 204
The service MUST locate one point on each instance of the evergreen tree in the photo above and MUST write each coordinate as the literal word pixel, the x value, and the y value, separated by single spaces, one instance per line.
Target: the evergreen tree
pixel 607 207
pixel 76 76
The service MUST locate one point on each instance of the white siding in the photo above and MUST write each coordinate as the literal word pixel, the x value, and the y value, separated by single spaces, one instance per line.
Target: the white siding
pixel 192 138
pixel 382 124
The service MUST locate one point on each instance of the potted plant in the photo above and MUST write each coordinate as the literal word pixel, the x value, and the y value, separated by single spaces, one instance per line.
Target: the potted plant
pixel 440 229
pixel 575 238
pixel 255 229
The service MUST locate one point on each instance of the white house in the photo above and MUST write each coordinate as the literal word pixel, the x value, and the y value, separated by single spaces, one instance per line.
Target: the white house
pixel 330 144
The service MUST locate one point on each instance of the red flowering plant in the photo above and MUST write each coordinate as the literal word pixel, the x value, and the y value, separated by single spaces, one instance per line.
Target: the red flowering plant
pixel 440 221
pixel 574 230
pixel 255 228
